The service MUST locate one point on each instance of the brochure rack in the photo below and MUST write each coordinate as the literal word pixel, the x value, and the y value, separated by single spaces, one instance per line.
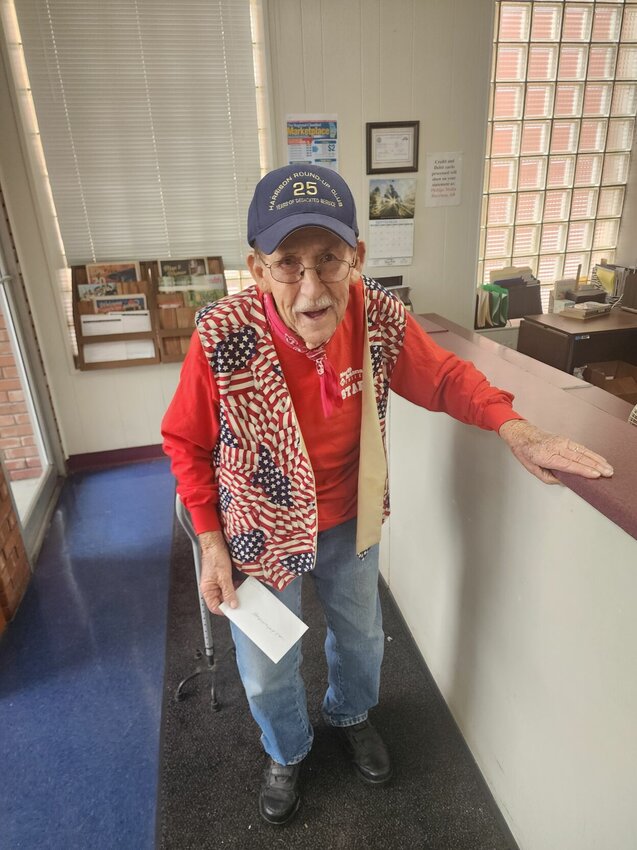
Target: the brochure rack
pixel 176 315
pixel 167 325
pixel 86 343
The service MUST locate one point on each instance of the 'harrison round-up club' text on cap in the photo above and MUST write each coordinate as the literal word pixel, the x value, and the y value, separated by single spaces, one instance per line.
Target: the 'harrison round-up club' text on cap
pixel 294 196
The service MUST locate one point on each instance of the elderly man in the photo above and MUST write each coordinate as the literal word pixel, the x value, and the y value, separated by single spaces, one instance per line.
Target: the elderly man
pixel 276 435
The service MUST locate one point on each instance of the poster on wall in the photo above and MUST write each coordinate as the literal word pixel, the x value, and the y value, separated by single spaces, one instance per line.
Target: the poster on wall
pixel 444 177
pixel 312 140
pixel 392 206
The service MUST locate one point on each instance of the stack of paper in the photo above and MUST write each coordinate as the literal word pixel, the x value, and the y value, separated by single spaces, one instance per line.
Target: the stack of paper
pixel 512 276
pixel 586 310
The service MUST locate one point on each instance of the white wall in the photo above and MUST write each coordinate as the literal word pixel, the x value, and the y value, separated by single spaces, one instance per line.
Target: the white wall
pixel 522 604
pixel 397 60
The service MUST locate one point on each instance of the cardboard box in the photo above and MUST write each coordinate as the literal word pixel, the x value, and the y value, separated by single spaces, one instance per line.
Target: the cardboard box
pixel 614 376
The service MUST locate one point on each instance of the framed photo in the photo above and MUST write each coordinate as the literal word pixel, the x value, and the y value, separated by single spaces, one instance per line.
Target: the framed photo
pixel 101 274
pixel 392 146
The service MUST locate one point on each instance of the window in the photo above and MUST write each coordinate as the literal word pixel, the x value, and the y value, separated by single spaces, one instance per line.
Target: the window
pixel 561 123
pixel 150 122
pixel 237 279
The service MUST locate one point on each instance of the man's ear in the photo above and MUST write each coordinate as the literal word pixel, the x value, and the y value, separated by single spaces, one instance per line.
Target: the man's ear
pixel 360 259
pixel 256 270
pixel 361 252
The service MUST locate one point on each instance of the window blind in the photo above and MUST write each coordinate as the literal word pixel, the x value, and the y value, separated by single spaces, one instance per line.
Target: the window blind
pixel 148 120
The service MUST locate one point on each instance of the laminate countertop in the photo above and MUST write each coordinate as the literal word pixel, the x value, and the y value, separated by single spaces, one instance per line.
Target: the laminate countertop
pixel 562 404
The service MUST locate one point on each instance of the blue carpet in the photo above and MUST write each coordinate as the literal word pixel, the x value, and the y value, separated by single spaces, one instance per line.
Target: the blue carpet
pixel 81 668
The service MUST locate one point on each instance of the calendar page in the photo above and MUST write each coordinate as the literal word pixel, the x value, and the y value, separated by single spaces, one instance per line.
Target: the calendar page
pixel 391 242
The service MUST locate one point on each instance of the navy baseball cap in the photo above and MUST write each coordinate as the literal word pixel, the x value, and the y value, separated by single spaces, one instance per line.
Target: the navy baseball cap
pixel 298 196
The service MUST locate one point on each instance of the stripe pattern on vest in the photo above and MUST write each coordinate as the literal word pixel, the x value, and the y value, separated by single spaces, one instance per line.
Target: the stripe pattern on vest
pixel 266 484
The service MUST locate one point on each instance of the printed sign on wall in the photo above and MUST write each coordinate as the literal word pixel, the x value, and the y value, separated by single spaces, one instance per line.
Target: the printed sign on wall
pixel 313 140
pixel 444 176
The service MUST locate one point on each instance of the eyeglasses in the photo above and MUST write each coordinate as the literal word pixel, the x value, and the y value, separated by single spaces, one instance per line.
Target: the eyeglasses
pixel 290 270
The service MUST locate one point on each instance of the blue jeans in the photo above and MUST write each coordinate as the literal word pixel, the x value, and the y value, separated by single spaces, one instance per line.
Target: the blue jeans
pixel 348 590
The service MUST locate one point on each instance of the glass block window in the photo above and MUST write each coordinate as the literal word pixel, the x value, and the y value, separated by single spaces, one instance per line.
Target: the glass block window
pixel 561 125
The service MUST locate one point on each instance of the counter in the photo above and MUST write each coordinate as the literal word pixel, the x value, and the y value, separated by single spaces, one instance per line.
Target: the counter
pixel 589 415
pixel 522 597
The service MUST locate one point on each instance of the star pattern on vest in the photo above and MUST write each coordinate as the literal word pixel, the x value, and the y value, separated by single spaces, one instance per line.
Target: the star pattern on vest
pixel 275 484
pixel 201 313
pixel 247 547
pixel 362 555
pixel 225 497
pixel 225 434
pixel 370 283
pixel 204 312
pixel 381 403
pixel 299 564
pixel 276 368
pixel 377 358
pixel 236 351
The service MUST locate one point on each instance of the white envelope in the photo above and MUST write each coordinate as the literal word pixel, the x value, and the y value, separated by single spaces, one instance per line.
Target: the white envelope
pixel 264 619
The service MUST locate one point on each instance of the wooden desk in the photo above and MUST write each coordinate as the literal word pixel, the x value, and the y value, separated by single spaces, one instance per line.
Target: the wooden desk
pixel 567 343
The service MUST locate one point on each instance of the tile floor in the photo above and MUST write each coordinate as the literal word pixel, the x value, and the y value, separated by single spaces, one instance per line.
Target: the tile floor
pixel 81 669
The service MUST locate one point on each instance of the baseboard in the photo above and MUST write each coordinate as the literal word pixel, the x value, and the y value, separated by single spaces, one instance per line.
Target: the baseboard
pixel 115 457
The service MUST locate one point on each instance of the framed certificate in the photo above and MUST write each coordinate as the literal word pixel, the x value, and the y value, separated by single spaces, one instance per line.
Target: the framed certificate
pixel 392 146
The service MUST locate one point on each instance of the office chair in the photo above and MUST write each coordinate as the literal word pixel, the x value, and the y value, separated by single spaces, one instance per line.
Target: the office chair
pixel 210 665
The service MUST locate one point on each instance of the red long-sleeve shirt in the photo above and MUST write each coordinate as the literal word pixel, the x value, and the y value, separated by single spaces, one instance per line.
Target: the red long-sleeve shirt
pixel 424 374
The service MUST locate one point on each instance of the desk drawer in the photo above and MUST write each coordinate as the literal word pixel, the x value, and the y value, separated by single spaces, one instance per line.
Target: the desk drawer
pixel 599 347
pixel 545 344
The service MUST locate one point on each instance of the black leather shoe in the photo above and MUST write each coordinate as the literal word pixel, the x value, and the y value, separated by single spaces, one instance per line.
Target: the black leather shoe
pixel 279 798
pixel 368 752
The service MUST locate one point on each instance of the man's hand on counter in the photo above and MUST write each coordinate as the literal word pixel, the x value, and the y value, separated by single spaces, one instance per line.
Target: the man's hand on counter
pixel 541 452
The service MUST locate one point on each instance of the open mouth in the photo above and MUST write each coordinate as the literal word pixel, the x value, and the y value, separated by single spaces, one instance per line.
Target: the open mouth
pixel 316 314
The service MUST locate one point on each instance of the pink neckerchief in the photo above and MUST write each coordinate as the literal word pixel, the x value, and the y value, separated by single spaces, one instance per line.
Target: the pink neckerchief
pixel 330 393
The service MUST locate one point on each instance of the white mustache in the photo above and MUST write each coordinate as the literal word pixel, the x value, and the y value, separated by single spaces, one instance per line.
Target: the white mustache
pixel 313 306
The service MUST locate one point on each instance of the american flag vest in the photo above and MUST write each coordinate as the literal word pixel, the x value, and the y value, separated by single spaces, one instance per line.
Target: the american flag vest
pixel 267 496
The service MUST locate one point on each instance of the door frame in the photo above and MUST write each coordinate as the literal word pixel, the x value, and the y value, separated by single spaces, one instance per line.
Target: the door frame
pixel 36 385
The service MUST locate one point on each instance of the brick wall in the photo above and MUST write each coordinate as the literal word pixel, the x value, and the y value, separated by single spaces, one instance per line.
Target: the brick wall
pixel 17 440
pixel 14 566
